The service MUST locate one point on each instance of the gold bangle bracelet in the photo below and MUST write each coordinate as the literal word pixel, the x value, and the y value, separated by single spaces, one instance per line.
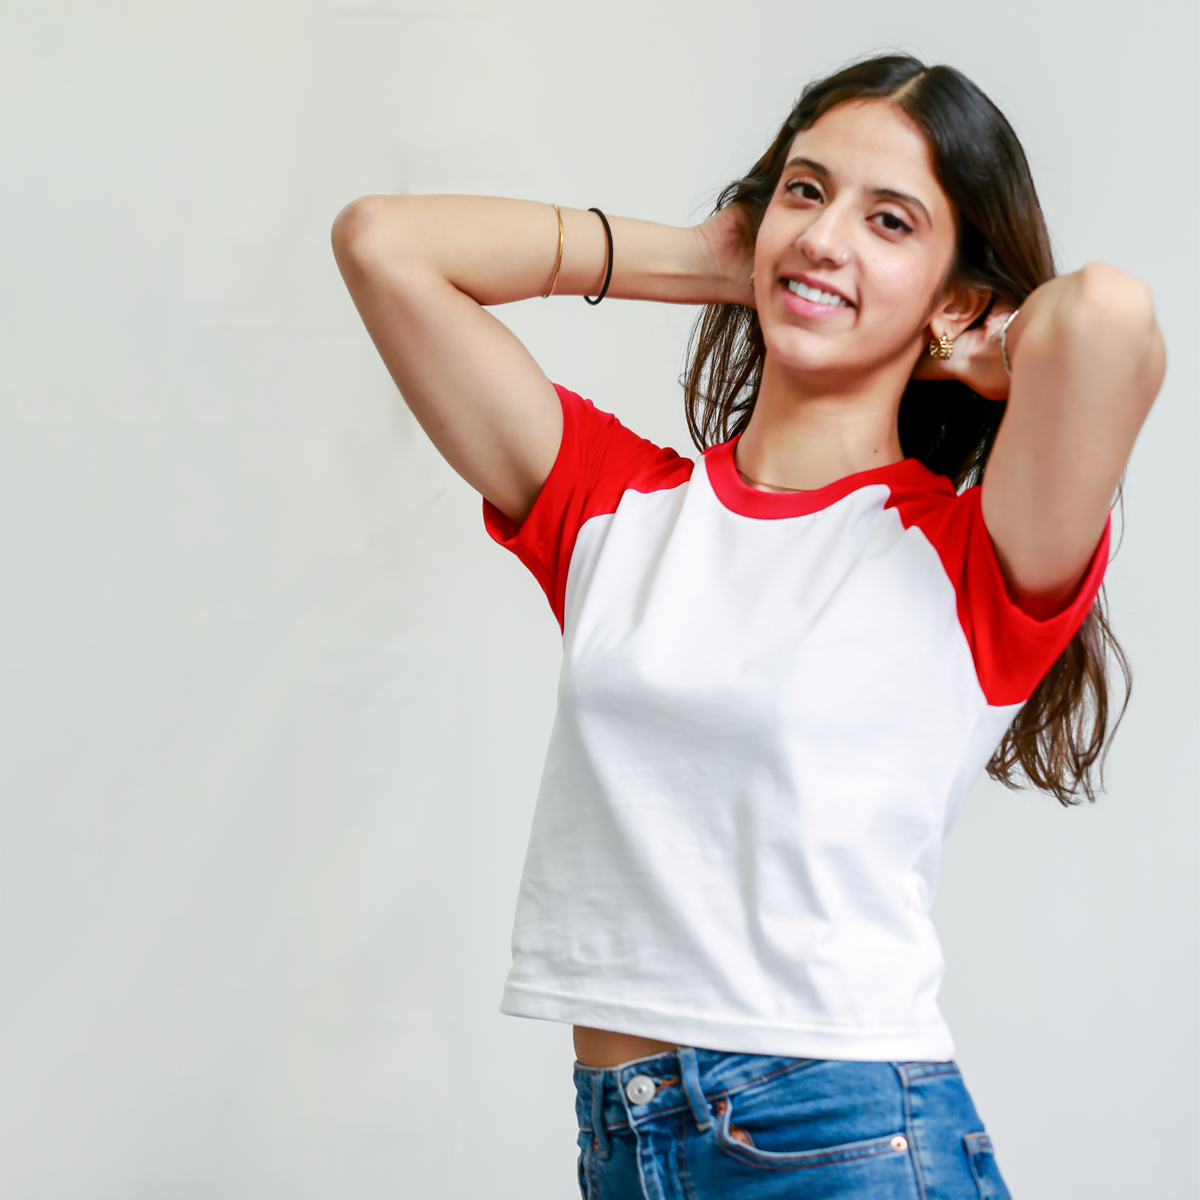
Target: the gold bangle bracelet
pixel 557 261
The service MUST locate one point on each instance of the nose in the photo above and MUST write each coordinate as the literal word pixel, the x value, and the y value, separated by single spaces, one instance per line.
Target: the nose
pixel 824 241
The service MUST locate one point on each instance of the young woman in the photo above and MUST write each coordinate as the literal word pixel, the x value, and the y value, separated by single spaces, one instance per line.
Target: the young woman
pixel 785 662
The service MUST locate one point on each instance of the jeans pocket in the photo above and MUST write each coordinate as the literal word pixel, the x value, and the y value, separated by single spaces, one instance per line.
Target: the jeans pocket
pixel 734 1142
pixel 984 1170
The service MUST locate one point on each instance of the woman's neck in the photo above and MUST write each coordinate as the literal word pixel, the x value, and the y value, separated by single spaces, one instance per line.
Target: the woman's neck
pixel 800 438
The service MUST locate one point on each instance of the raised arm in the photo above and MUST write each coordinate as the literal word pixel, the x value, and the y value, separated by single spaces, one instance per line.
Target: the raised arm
pixel 1087 361
pixel 421 268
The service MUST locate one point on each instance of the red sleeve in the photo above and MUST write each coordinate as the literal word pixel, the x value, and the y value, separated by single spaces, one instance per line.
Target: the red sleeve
pixel 1012 649
pixel 598 461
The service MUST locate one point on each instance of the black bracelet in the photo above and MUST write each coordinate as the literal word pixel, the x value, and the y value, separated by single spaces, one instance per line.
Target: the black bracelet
pixel 608 273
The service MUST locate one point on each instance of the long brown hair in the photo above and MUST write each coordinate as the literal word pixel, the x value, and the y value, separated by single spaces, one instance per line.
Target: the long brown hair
pixel 1061 735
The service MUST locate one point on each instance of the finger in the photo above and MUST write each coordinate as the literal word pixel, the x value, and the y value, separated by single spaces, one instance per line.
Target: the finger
pixel 930 368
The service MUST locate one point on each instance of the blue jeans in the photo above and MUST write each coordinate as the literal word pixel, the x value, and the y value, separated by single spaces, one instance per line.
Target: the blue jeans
pixel 700 1125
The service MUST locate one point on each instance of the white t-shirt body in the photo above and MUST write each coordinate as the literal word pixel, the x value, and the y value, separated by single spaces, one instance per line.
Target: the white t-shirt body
pixel 770 708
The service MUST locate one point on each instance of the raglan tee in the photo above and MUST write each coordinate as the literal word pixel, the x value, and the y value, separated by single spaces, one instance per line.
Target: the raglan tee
pixel 770 707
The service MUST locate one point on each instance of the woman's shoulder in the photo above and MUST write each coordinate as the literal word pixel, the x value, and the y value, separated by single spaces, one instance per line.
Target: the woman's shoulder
pixel 608 454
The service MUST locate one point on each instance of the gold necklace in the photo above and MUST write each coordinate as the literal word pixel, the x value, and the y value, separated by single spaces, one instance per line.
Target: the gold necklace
pixel 776 487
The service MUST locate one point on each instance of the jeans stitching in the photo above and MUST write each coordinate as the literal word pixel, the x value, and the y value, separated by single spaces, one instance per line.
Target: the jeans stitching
pixel 654 1116
pixel 976 1146
pixel 698 1102
pixel 685 1137
pixel 741 1087
pixel 603 1145
pixel 818 1158
pixel 723 1092
pixel 798 1160
pixel 950 1069
pixel 914 1143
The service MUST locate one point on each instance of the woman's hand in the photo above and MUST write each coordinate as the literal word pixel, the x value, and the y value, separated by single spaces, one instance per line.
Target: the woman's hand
pixel 728 244
pixel 976 359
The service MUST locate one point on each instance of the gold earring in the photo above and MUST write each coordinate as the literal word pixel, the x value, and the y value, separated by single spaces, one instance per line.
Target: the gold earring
pixel 942 347
pixel 751 280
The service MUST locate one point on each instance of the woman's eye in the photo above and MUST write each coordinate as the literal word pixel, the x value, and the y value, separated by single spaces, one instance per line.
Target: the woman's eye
pixel 804 189
pixel 893 224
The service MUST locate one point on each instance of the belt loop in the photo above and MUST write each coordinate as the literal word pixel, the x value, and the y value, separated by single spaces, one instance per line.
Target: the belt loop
pixel 689 1073
pixel 599 1133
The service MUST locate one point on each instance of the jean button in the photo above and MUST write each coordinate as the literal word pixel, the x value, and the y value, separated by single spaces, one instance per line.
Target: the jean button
pixel 640 1089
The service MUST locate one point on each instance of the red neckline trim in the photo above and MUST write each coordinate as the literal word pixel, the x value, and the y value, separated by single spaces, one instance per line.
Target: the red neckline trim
pixel 750 501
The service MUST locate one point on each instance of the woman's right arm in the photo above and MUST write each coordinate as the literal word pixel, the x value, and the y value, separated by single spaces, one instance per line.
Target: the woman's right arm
pixel 420 270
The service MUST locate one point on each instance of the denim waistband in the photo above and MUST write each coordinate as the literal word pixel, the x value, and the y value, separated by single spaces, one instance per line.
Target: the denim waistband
pixel 683 1079
pixel 692 1078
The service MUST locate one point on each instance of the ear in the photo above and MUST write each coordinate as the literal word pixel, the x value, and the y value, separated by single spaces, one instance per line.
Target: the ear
pixel 958 309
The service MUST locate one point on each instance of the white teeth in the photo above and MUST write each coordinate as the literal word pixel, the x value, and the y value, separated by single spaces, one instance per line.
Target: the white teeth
pixel 813 294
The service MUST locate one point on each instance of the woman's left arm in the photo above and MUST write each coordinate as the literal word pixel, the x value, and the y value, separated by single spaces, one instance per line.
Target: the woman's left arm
pixel 1087 361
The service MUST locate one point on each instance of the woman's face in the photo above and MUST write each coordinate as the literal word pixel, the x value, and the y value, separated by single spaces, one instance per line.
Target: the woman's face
pixel 855 244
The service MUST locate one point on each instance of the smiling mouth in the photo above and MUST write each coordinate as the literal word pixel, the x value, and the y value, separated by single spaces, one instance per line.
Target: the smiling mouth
pixel 816 295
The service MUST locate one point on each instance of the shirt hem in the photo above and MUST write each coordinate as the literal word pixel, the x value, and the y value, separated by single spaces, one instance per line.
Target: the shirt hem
pixel 732 1036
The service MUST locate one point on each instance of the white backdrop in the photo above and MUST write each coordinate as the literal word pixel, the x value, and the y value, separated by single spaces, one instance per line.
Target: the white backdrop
pixel 272 706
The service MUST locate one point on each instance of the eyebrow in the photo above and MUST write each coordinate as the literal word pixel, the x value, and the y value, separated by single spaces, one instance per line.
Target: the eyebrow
pixel 883 193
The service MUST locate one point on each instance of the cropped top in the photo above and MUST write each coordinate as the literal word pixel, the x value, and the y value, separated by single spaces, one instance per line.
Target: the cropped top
pixel 769 710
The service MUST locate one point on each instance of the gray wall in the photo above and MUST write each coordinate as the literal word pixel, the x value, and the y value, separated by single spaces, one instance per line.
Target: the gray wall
pixel 272 707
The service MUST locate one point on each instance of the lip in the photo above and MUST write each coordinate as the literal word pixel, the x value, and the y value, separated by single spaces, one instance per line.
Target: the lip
pixel 812 281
